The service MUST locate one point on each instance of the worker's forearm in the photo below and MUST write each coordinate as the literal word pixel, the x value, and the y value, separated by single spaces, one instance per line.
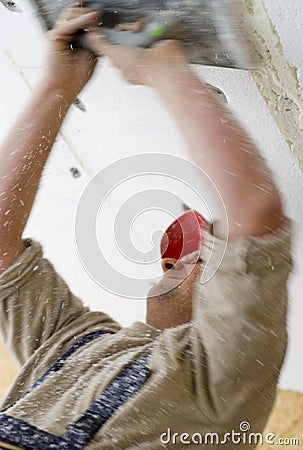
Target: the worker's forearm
pixel 23 156
pixel 218 144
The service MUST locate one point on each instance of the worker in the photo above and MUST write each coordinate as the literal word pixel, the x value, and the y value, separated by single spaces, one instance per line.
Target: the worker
pixel 203 369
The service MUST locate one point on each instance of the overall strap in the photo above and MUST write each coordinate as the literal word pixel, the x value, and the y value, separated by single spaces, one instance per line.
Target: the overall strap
pixel 17 433
pixel 60 362
pixel 114 396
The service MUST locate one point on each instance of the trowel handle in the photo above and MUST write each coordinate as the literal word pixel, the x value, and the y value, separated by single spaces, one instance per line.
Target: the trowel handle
pixel 154 30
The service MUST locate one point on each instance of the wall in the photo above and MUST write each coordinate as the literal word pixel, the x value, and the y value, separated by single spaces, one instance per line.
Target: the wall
pixel 124 120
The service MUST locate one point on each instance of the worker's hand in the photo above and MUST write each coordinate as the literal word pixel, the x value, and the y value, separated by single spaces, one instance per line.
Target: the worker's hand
pixel 138 65
pixel 70 69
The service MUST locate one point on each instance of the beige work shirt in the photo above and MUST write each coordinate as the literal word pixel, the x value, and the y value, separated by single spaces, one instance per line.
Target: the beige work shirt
pixel 206 376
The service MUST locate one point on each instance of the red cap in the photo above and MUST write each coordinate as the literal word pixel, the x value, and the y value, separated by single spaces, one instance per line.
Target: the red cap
pixel 183 236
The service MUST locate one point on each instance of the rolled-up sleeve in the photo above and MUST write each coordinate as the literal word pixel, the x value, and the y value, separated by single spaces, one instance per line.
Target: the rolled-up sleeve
pixel 35 303
pixel 239 329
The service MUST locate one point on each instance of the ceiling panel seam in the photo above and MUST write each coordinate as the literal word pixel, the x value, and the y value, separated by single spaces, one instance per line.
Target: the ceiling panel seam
pixel 89 172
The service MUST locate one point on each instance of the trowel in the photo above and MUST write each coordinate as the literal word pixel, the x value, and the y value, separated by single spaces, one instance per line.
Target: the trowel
pixel 211 31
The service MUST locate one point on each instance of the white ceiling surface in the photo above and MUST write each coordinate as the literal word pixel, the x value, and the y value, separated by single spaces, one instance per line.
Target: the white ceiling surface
pixel 123 120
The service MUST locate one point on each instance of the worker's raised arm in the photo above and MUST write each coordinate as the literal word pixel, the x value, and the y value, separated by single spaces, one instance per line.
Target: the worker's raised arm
pixel 24 152
pixel 215 140
pixel 35 302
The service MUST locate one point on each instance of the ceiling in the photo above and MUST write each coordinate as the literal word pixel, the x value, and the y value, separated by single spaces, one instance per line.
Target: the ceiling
pixel 122 120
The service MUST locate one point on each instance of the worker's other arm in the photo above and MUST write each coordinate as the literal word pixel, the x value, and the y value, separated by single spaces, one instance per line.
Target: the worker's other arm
pixel 23 156
pixel 216 141
pixel 24 152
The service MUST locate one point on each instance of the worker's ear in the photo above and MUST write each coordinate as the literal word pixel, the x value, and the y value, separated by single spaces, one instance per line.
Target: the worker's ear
pixel 168 264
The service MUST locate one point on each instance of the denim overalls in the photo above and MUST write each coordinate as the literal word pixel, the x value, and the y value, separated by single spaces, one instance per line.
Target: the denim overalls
pixel 16 434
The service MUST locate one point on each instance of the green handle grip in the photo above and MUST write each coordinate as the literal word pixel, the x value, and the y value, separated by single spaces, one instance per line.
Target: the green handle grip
pixel 154 30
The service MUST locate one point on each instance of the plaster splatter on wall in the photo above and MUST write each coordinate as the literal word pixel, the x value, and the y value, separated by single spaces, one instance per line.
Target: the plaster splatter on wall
pixel 278 82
